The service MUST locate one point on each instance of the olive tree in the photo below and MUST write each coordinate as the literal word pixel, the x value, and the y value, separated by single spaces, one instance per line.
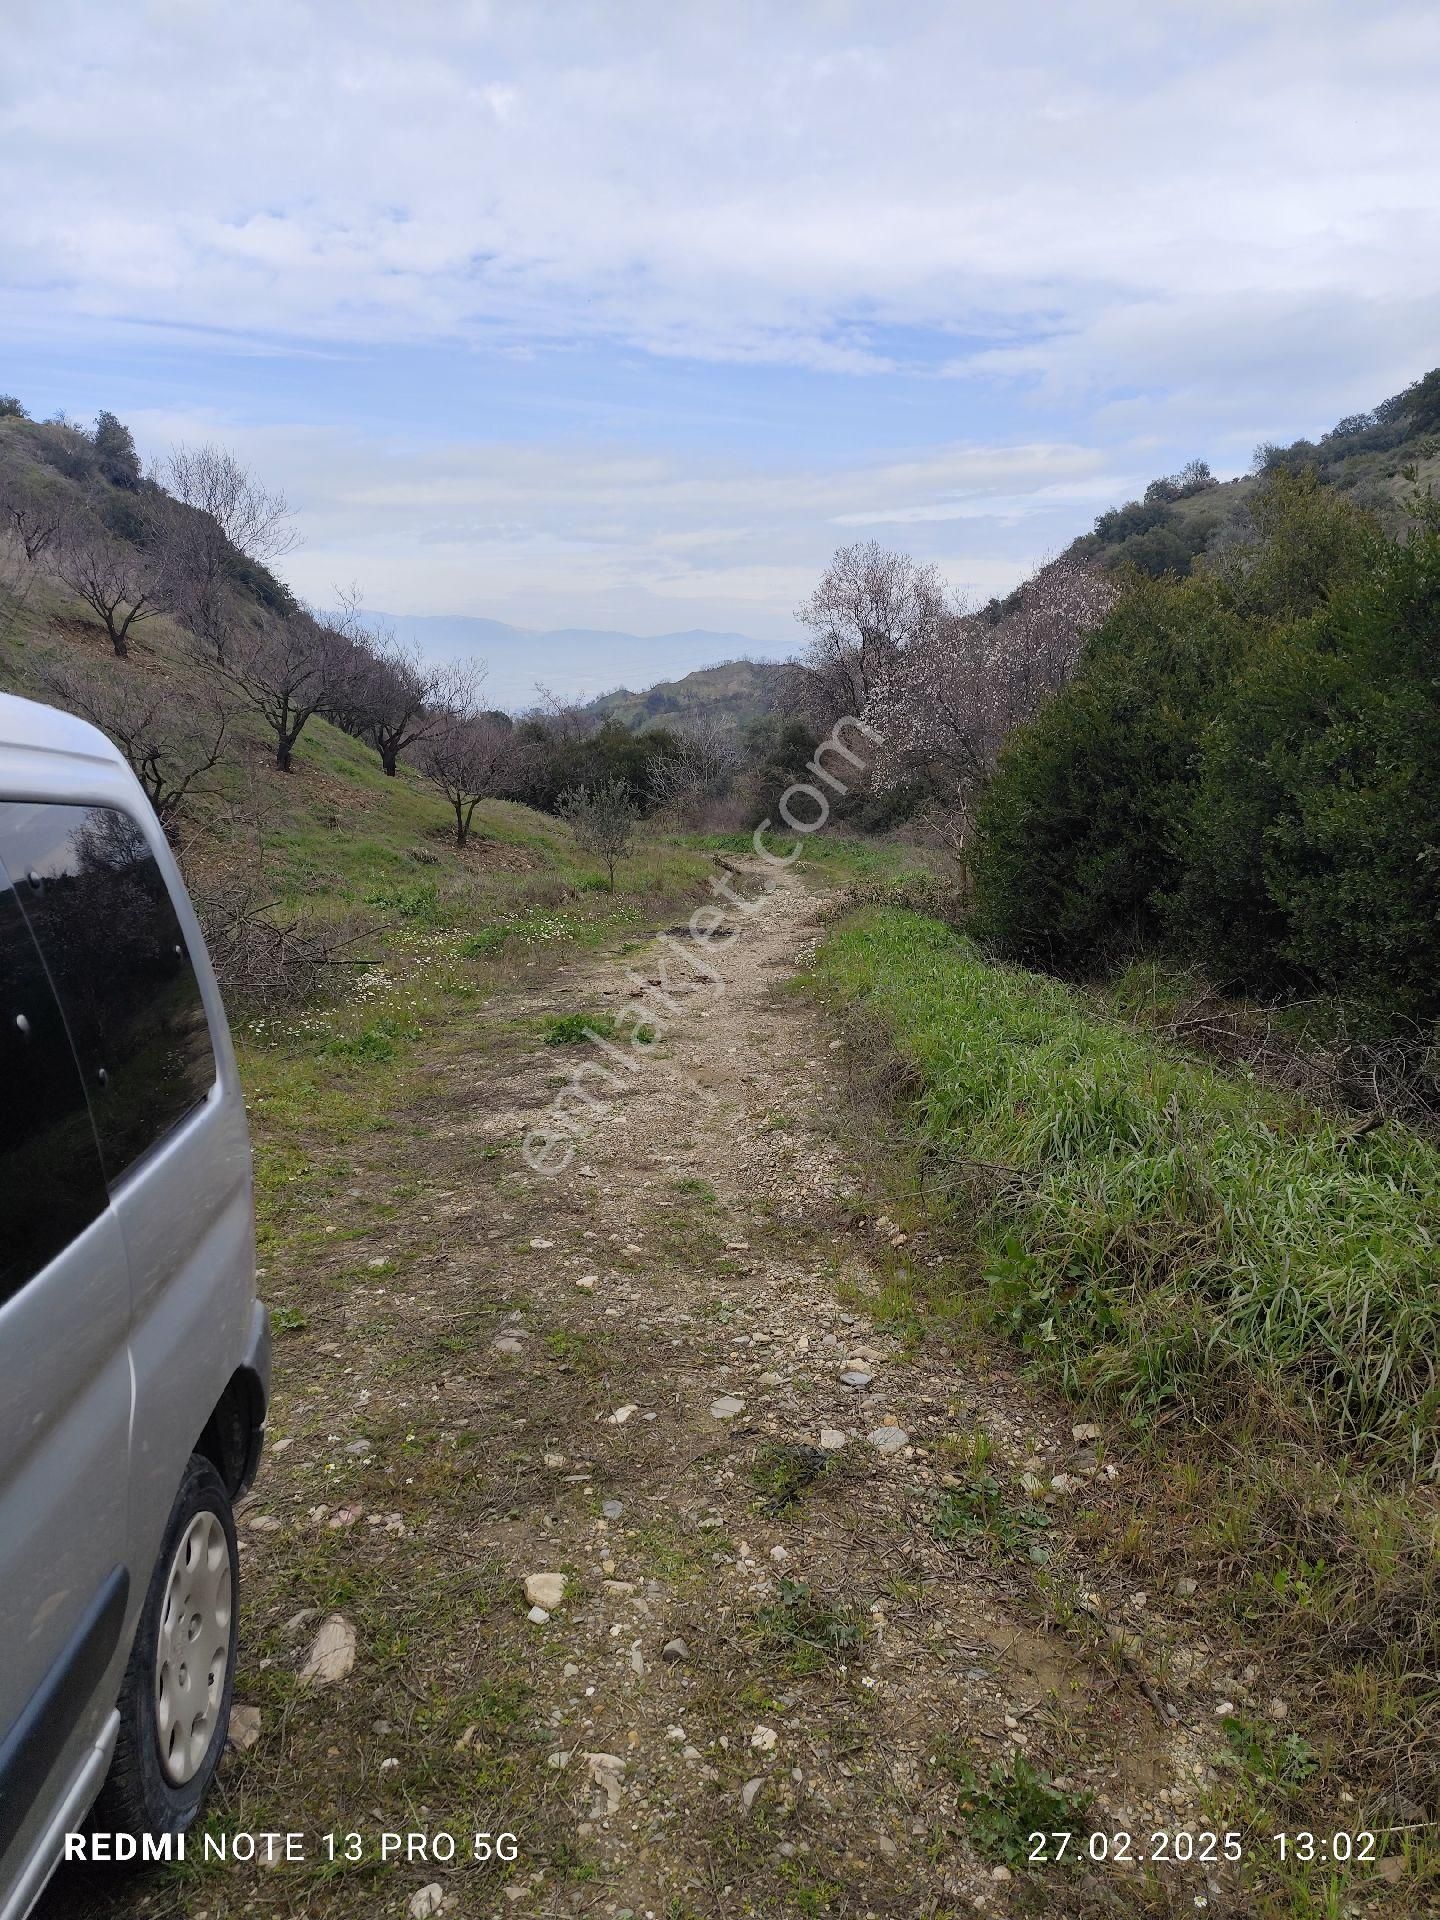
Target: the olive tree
pixel 602 819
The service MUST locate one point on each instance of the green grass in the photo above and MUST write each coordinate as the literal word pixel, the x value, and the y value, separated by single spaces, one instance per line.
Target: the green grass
pixel 806 1632
pixel 1005 1806
pixel 1165 1238
pixel 784 1471
pixel 575 1029
pixel 979 1509
pixel 1248 1286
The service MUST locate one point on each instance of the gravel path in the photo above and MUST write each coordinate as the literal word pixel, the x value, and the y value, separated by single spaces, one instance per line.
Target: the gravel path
pixel 601 1511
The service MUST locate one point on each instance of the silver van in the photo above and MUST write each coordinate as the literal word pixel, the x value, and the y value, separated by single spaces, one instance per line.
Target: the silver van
pixel 134 1356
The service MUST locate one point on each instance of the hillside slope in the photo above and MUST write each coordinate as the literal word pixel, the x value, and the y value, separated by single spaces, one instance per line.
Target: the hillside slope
pixel 732 693
pixel 332 842
pixel 1378 458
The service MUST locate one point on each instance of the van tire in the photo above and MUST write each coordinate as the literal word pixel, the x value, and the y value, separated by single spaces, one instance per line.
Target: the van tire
pixel 138 1797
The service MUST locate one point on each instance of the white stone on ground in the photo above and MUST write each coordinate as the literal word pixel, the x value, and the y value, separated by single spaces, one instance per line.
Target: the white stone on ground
pixel 332 1653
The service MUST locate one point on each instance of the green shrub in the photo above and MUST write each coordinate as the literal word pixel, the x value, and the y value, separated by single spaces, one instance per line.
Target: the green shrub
pixel 1246 768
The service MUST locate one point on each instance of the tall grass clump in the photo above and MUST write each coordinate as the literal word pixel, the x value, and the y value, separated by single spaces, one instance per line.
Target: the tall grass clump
pixel 1166 1237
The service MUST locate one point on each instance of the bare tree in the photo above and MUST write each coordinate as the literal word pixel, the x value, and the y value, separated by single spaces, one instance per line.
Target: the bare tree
pixel 702 767
pixel 602 819
pixel 287 670
pixel 171 739
pixel 468 757
pixel 37 513
pixel 215 512
pixel 391 696
pixel 212 482
pixel 122 583
pixel 560 719
pixel 871 606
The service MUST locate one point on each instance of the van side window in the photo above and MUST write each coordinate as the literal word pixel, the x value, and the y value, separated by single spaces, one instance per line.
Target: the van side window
pixel 51 1185
pixel 102 918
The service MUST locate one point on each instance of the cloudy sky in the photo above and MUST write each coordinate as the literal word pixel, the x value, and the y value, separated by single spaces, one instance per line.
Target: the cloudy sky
pixel 626 314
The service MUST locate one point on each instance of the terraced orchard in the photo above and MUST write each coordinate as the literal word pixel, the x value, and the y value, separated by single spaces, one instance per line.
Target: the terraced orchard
pixel 679 1522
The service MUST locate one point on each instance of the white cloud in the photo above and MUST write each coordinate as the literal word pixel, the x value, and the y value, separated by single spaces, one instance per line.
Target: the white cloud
pixel 756 183
pixel 1120 231
pixel 647 541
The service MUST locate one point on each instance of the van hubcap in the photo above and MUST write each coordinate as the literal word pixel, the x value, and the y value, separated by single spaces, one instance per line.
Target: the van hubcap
pixel 193 1651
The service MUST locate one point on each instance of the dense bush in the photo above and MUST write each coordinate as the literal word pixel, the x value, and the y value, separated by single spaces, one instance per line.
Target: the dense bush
pixel 1246 766
pixel 1314 850
pixel 1079 830
pixel 554 760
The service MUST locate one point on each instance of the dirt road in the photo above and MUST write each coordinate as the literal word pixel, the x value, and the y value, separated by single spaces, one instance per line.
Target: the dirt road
pixel 808 1604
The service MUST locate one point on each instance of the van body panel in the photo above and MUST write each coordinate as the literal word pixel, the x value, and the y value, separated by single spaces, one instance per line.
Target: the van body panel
pixel 114 1356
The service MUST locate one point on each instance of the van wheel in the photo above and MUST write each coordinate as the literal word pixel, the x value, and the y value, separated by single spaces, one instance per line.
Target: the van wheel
pixel 175 1703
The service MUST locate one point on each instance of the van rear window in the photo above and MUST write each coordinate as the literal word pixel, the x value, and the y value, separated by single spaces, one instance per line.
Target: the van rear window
pixel 102 917
pixel 51 1185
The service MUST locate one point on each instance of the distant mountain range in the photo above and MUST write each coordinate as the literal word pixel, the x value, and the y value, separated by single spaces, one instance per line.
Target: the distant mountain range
pixel 578 663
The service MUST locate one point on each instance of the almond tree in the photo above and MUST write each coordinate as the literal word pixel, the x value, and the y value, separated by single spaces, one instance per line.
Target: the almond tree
pixel 37 512
pixel 288 670
pixel 390 695
pixel 468 758
pixel 947 702
pixel 123 584
pixel 870 607
pixel 170 740
pixel 216 512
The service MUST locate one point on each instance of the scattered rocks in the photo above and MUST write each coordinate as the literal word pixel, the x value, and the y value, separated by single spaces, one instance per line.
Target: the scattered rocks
pixel 612 1509
pixel 427 1901
pixel 1083 1433
pixel 332 1652
pixel 508 1343
pixel 856 1378
pixel 607 1772
pixel 542 1246
pixel 1186 1588
pixel 748 1792
pixel 621 1415
pixel 763 1739
pixel 770 1379
pixel 674 1651
pixel 359 1448
pixel 244 1728
pixel 727 1406
pixel 545 1590
pixel 538 1616
pixel 587 1284
pixel 889 1439
pixel 831 1439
